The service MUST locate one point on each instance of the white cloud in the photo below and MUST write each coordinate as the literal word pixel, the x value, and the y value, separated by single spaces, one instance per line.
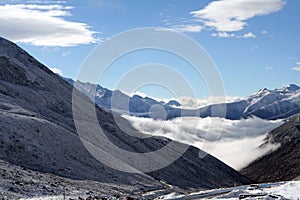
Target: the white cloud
pixel 232 15
pixel 33 1
pixel 297 67
pixel 268 68
pixel 43 25
pixel 46 2
pixel 237 145
pixel 183 28
pixel 188 28
pixel 66 53
pixel 264 32
pixel 50 49
pixel 254 48
pixel 223 35
pixel 56 71
pixel 248 35
pixel 55 7
pixel 291 58
pixel 193 103
pixel 240 153
pixel 232 35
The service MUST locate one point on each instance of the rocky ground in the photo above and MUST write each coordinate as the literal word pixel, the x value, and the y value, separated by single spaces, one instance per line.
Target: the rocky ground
pixel 25 184
pixel 18 182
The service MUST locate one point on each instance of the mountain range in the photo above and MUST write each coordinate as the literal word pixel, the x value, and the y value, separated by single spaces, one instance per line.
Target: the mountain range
pixel 265 104
pixel 38 135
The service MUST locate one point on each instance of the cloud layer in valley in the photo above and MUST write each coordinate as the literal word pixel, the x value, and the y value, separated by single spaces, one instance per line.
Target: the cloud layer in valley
pixel 234 142
pixel 43 25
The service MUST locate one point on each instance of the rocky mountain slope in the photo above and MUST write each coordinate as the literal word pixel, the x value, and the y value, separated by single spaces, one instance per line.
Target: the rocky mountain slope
pixel 37 131
pixel 20 182
pixel 283 163
pixel 265 104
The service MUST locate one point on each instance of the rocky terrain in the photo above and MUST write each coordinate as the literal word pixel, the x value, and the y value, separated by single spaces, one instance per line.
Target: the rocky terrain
pixel 20 182
pixel 37 133
pixel 283 163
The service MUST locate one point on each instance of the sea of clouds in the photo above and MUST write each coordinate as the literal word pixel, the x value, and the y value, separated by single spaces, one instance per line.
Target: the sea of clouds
pixel 235 142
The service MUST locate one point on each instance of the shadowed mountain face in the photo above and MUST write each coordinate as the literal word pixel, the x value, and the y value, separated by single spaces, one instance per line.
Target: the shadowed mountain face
pixel 283 163
pixel 265 104
pixel 37 131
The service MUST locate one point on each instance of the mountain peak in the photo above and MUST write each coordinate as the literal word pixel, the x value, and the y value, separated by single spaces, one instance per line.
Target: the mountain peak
pixel 9 48
pixel 3 40
pixel 263 90
pixel 291 88
pixel 260 92
pixel 173 103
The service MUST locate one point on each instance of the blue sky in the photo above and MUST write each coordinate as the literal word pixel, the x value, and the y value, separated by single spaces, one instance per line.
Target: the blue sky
pixel 254 43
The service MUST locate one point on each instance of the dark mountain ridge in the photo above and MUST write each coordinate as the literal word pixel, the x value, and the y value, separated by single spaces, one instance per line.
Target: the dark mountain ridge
pixel 37 131
pixel 283 163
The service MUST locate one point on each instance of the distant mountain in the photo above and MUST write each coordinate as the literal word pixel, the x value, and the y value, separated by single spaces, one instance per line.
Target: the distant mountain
pixel 120 102
pixel 173 103
pixel 265 104
pixel 37 132
pixel 282 164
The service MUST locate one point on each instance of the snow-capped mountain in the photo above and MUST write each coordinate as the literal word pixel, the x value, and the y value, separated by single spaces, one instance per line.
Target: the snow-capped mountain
pixel 265 104
pixel 119 101
pixel 278 103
